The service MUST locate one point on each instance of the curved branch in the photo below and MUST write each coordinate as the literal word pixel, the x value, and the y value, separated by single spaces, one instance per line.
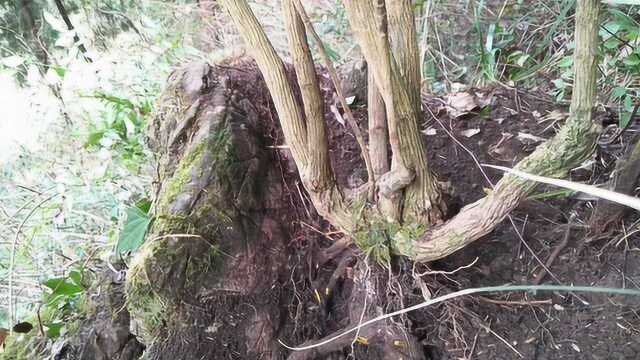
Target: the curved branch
pixel 573 144
pixel 320 175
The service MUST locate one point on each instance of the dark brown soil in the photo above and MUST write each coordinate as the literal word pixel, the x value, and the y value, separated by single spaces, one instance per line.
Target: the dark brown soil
pixel 495 326
pixel 608 327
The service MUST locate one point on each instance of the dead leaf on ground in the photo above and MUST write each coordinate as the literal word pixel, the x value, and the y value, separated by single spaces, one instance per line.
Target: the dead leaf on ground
pixel 429 131
pixel 470 132
pixel 529 139
pixel 337 114
pixel 501 150
pixel 461 103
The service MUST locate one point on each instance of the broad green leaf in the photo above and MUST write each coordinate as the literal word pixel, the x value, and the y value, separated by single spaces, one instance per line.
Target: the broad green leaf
pixel 53 329
pixel 144 205
pixel 135 228
pixel 611 43
pixel 94 138
pixel 632 60
pixel 566 61
pixel 76 277
pixel 624 119
pixel 60 286
pixel 611 27
pixel 628 103
pixel 618 92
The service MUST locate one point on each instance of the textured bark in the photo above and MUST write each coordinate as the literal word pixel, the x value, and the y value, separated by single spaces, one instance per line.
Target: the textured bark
pixel 336 84
pixel 422 198
pixel 329 202
pixel 404 46
pixel 624 180
pixel 320 176
pixel 378 137
pixel 573 144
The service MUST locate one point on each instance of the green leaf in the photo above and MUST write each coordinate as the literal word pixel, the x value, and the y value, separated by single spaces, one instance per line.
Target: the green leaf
pixel 134 230
pixel 565 62
pixel 115 100
pixel 618 92
pixel 627 102
pixel 94 138
pixel 332 54
pixel 60 286
pixel 559 83
pixel 76 277
pixel 53 329
pixel 612 27
pixel 632 60
pixel 59 70
pixel 624 119
pixel 611 43
pixel 144 205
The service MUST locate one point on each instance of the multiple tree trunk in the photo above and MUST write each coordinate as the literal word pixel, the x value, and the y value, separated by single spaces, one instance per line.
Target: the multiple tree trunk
pixel 407 194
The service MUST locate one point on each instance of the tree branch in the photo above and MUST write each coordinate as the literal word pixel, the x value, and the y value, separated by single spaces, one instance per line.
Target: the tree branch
pixel 320 175
pixel 336 84
pixel 573 144
pixel 422 199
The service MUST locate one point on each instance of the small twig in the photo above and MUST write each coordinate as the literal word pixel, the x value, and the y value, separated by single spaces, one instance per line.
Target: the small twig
pixel 515 302
pixel 555 253
pixel 336 84
pixel 440 272
pixel 488 329
pixel 40 320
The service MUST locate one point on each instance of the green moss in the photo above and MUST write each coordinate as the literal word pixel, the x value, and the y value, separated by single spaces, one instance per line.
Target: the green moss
pixel 405 237
pixel 162 273
pixel 374 241
pixel 145 305
pixel 181 177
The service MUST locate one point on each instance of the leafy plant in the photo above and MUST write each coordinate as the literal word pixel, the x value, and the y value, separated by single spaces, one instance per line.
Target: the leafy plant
pixel 135 227
pixel 62 301
pixel 120 128
pixel 620 33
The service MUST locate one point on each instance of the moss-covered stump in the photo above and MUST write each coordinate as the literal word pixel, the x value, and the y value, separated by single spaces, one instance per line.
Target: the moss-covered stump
pixel 201 285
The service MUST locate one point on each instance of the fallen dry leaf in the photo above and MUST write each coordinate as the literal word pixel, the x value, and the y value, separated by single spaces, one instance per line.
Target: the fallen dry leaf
pixel 528 138
pixel 461 103
pixel 337 114
pixel 470 132
pixel 429 132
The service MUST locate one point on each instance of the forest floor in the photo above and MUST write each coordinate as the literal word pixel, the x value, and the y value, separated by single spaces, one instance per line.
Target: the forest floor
pixel 505 127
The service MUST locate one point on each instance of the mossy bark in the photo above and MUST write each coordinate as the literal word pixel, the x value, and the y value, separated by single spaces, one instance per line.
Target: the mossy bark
pixel 208 211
